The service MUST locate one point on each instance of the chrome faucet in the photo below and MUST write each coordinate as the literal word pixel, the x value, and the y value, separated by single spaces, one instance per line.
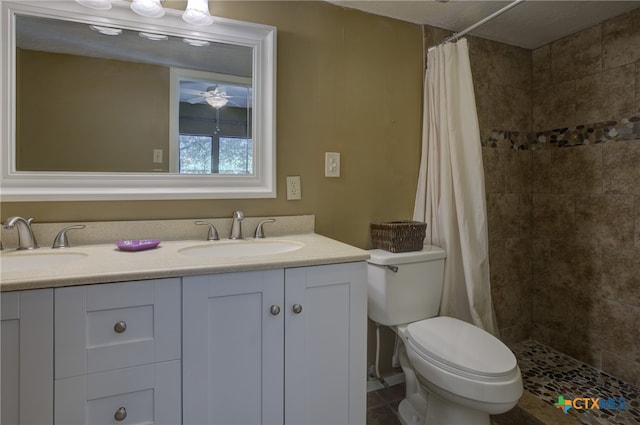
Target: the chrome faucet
pixel 26 239
pixel 236 226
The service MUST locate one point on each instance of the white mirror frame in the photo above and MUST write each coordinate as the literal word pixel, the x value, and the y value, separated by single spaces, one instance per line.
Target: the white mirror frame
pixel 67 186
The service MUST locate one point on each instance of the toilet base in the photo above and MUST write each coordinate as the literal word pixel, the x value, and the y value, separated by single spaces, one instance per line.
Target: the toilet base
pixel 409 415
pixel 440 412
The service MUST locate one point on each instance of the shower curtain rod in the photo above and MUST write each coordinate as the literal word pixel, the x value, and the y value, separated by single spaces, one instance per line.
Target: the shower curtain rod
pixel 477 24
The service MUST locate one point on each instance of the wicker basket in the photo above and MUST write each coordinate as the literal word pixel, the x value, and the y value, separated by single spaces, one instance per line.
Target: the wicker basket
pixel 398 236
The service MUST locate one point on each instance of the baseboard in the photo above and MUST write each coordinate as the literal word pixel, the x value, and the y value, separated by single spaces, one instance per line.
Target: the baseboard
pixel 395 379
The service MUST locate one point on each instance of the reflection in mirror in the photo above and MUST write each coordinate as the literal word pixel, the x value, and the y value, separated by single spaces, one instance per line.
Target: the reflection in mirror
pixel 105 104
pixel 75 81
pixel 214 128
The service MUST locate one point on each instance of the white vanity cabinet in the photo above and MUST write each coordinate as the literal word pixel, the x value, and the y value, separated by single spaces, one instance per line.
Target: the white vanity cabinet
pixel 26 357
pixel 284 346
pixel 276 346
pixel 117 353
pixel 326 345
pixel 233 348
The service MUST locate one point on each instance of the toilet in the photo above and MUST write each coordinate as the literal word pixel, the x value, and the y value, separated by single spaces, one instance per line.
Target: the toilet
pixel 455 373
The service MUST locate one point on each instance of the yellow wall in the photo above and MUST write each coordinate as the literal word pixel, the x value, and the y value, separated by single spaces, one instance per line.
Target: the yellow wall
pixel 347 82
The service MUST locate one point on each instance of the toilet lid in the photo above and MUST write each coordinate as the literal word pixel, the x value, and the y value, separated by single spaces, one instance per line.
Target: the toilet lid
pixel 462 346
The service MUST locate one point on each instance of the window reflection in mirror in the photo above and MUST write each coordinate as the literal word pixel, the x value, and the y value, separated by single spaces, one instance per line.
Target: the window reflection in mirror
pixel 214 130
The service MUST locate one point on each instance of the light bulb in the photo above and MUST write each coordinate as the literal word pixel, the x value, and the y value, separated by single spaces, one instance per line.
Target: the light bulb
pixel 106 30
pixel 197 13
pixel 96 4
pixel 148 8
pixel 153 37
pixel 196 43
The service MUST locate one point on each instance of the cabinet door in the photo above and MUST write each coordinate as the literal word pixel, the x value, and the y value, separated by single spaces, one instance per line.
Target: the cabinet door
pixel 27 357
pixel 112 326
pixel 233 348
pixel 148 394
pixel 325 344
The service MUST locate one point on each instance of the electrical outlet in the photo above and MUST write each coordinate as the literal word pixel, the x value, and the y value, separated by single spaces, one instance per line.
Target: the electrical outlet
pixel 157 156
pixel 294 191
pixel 332 164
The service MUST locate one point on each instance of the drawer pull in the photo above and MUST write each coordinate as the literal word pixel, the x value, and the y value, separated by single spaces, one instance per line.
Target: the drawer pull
pixel 275 310
pixel 120 415
pixel 297 308
pixel 120 327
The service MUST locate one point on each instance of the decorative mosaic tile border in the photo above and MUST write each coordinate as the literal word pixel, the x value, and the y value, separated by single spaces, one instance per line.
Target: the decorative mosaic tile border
pixel 506 139
pixel 549 374
pixel 601 132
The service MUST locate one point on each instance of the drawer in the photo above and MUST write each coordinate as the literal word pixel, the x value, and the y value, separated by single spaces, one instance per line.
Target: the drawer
pixel 113 326
pixel 149 394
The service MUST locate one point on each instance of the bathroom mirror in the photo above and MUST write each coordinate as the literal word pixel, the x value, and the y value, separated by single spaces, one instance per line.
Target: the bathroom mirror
pixel 111 105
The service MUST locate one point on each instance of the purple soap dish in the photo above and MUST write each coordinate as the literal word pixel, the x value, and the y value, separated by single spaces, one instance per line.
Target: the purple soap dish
pixel 138 244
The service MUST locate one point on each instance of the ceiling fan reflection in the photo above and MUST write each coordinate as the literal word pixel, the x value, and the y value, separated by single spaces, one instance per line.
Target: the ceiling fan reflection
pixel 216 96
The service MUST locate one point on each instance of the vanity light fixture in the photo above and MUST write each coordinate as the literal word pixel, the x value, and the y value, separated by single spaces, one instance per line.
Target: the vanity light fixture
pixel 148 8
pixel 197 13
pixel 154 37
pixel 217 101
pixel 196 43
pixel 106 30
pixel 96 4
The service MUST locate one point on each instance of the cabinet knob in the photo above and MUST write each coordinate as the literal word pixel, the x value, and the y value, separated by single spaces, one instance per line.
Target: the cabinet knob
pixel 120 326
pixel 274 310
pixel 297 308
pixel 120 415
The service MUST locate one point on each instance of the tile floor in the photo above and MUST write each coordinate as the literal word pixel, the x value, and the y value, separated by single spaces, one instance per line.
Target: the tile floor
pixel 547 374
pixel 382 405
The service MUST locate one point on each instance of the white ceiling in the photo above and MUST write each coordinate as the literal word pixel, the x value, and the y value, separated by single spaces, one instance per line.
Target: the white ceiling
pixel 531 24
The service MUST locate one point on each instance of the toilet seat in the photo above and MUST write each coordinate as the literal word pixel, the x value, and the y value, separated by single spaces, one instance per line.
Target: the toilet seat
pixel 462 349
pixel 463 362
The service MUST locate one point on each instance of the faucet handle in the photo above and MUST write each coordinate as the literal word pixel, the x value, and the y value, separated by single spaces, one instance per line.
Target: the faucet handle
pixel 213 233
pixel 61 240
pixel 259 232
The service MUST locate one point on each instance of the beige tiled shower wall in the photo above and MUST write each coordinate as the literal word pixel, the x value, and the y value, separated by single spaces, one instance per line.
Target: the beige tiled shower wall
pixel 561 148
pixel 502 80
pixel 586 197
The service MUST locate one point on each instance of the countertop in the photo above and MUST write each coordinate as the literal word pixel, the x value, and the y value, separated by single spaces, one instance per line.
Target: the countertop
pixel 105 263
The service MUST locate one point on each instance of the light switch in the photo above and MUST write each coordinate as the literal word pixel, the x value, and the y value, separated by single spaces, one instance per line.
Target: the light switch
pixel 332 164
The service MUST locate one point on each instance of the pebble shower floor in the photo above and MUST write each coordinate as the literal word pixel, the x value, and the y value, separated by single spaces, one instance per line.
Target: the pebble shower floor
pixel 549 374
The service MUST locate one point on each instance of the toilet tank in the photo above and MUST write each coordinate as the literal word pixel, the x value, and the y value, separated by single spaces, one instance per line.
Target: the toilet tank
pixel 405 287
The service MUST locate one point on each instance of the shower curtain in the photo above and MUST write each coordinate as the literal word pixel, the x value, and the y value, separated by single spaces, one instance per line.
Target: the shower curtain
pixel 451 197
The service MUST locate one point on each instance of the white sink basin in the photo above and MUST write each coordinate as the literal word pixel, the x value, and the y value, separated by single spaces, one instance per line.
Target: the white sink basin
pixel 31 260
pixel 242 248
